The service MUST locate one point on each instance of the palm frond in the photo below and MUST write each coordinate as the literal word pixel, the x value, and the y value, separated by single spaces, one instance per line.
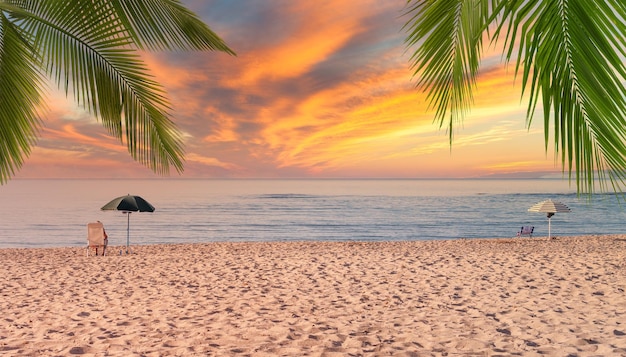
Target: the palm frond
pixel 20 97
pixel 572 55
pixel 448 39
pixel 89 47
pixel 107 77
pixel 166 24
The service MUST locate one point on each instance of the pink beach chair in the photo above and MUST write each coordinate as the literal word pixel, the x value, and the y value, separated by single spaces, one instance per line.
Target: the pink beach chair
pixel 96 237
pixel 526 231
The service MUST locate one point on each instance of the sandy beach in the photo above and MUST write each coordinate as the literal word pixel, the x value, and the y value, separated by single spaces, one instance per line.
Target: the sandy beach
pixel 484 297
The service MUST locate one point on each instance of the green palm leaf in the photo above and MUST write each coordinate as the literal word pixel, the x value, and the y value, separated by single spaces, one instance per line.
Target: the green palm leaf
pixel 570 54
pixel 166 24
pixel 90 48
pixel 19 97
pixel 573 67
pixel 448 39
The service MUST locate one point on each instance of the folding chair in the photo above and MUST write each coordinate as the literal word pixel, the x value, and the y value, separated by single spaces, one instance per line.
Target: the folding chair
pixel 96 237
pixel 526 231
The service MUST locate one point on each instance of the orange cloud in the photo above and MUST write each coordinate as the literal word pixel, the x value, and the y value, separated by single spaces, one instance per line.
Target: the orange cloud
pixel 73 163
pixel 211 161
pixel 517 166
pixel 324 30
pixel 318 88
pixel 171 77
pixel 69 133
pixel 359 134
pixel 225 132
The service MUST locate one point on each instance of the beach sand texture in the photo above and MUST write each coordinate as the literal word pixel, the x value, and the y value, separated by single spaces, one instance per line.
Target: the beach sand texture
pixel 485 297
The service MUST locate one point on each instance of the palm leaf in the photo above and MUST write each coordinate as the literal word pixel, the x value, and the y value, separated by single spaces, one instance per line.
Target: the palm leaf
pixel 19 95
pixel 166 24
pixel 89 47
pixel 107 77
pixel 448 35
pixel 570 55
pixel 570 52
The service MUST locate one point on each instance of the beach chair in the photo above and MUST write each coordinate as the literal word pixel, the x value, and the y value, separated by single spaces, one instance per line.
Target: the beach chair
pixel 526 231
pixel 96 237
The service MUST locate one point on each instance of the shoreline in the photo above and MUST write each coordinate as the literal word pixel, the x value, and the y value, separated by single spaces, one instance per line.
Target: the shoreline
pixel 464 296
pixel 416 241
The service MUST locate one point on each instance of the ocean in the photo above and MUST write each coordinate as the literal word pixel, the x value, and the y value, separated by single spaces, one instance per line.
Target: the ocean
pixel 54 213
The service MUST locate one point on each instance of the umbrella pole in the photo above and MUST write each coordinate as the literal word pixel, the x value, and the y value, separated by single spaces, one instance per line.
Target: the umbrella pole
pixel 128 232
pixel 549 234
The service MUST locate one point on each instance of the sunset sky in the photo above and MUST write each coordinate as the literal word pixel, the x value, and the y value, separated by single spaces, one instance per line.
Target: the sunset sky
pixel 318 89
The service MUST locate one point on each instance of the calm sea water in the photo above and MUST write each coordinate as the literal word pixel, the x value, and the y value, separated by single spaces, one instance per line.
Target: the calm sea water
pixel 54 213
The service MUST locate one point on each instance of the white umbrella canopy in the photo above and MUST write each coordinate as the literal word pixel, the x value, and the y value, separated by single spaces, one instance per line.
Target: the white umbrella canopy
pixel 549 207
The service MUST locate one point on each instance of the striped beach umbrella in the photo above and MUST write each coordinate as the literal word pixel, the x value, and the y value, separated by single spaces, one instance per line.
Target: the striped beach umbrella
pixel 549 207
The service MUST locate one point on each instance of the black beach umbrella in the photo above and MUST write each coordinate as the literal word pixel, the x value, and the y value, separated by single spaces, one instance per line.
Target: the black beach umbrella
pixel 549 207
pixel 127 205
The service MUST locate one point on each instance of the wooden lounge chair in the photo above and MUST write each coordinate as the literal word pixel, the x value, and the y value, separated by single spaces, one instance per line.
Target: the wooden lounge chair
pixel 526 231
pixel 96 237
